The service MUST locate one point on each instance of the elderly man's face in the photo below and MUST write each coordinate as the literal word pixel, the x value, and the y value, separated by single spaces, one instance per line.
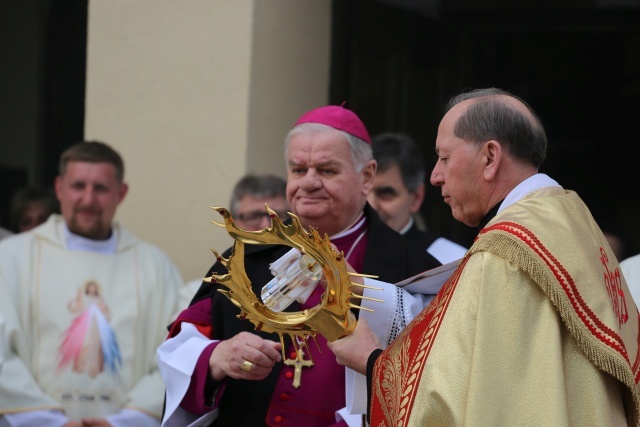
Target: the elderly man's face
pixel 323 188
pixel 459 172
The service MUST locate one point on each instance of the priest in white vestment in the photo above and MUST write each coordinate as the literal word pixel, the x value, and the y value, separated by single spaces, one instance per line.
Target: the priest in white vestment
pixel 84 303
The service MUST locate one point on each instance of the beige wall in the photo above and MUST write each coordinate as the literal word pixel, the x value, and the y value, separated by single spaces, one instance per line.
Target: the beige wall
pixel 195 94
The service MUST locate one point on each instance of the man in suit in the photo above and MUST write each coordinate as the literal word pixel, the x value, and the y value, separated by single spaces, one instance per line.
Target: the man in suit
pixel 398 192
pixel 226 367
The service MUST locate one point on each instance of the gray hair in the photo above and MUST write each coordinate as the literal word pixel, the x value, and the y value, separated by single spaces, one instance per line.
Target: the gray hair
pixel 361 151
pixel 259 186
pixel 490 117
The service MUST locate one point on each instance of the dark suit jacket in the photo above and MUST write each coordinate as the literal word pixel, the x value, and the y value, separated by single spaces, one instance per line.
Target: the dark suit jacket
pixel 388 255
pixel 420 237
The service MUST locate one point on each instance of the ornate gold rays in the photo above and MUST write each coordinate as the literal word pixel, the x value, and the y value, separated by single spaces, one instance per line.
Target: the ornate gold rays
pixel 332 318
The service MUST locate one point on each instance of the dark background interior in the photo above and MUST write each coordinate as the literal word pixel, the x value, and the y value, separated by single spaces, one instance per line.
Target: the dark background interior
pixel 576 63
pixel 43 84
pixel 396 62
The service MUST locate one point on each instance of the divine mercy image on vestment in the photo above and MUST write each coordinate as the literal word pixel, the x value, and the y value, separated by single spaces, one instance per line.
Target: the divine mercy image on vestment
pixel 89 344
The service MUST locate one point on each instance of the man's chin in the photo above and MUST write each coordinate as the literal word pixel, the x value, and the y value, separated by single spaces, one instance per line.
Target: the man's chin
pixel 311 210
pixel 88 231
pixel 310 216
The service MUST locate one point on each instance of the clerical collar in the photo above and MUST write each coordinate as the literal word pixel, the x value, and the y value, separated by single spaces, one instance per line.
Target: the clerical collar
pixel 356 226
pixel 352 242
pixel 408 226
pixel 79 243
pixel 529 185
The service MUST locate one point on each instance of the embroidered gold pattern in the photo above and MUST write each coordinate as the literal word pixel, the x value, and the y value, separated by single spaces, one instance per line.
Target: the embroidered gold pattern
pixel 397 375
pixel 613 284
pixel 600 343
pixel 400 373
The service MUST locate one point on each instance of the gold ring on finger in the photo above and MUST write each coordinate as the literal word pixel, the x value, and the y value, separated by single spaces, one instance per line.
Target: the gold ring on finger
pixel 246 366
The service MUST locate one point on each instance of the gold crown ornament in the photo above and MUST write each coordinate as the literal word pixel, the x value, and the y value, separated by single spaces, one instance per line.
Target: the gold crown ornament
pixel 332 318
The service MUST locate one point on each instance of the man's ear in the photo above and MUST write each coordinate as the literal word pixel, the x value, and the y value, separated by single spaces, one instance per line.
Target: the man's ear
pixel 417 198
pixel 492 158
pixel 368 175
pixel 124 189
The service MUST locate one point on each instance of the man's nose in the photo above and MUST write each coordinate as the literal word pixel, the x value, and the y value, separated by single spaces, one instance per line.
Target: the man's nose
pixel 88 194
pixel 311 181
pixel 436 178
pixel 263 222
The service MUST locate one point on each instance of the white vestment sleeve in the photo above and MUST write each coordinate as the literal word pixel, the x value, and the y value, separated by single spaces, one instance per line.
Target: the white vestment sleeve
pixel 34 418
pixel 132 418
pixel 177 358
pixel 630 268
pixel 16 382
pixel 27 418
pixel 445 251
pixel 352 420
pixel 124 418
pixel 398 308
pixel 3 324
pixel 386 321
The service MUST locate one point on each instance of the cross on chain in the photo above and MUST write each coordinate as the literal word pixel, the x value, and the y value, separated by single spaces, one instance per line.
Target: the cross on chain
pixel 298 363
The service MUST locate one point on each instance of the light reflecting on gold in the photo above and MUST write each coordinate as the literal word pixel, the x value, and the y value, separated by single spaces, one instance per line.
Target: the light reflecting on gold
pixel 332 318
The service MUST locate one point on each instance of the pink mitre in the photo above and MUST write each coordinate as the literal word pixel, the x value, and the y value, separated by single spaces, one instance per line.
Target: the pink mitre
pixel 339 118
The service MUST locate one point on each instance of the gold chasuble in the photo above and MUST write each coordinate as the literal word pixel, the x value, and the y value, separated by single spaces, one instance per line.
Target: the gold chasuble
pixel 536 327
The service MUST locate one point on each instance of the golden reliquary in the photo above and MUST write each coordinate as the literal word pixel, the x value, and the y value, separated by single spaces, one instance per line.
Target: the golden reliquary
pixel 332 318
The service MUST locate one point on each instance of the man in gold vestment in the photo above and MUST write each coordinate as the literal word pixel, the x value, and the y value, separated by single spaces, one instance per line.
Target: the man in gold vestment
pixel 537 325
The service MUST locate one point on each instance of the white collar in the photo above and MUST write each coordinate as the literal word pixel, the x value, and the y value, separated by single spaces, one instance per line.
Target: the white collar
pixel 352 228
pixel 529 185
pixel 75 242
pixel 408 226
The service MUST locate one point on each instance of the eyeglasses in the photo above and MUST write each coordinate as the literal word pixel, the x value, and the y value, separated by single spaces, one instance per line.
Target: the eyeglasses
pixel 255 218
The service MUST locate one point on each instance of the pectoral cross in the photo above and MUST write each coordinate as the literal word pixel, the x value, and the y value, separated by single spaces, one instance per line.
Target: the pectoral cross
pixel 298 363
